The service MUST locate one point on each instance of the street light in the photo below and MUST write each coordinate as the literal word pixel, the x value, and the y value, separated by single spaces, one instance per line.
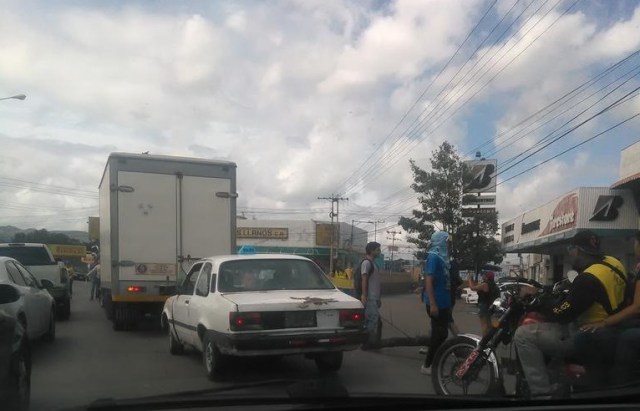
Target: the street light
pixel 16 97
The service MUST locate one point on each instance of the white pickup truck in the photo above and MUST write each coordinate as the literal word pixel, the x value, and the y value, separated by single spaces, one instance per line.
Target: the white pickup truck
pixel 40 262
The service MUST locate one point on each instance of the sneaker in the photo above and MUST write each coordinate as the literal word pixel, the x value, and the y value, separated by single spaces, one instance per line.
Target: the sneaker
pixel 423 350
pixel 425 370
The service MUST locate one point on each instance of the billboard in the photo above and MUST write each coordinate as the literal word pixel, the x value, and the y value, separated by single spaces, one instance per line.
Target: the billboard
pixel 484 174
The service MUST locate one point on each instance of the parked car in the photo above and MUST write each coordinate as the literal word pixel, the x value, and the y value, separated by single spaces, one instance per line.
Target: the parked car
pixel 34 307
pixel 15 355
pixel 40 262
pixel 79 276
pixel 469 296
pixel 261 305
pixel 472 298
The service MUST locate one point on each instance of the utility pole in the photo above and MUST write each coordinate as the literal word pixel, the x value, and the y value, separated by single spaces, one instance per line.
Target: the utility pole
pixel 393 245
pixel 335 199
pixel 375 229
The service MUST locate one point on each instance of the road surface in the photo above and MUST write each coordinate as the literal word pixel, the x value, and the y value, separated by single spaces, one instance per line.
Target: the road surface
pixel 90 361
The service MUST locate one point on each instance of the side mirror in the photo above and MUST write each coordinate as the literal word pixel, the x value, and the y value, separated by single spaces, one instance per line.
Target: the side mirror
pixel 8 294
pixel 47 284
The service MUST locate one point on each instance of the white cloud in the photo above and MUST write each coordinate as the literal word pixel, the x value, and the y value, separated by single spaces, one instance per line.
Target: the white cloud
pixel 298 93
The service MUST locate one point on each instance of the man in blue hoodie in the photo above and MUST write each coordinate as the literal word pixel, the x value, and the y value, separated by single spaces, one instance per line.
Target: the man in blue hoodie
pixel 437 294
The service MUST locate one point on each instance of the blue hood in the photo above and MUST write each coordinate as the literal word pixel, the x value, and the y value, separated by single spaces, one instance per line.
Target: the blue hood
pixel 439 245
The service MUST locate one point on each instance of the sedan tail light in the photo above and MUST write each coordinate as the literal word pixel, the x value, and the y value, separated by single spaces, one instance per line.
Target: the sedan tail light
pixel 352 318
pixel 245 321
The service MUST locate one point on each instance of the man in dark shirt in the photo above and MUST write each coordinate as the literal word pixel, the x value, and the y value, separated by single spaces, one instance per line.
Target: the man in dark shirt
pixel 596 292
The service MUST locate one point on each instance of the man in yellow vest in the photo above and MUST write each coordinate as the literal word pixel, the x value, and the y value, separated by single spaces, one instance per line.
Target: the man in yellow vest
pixel 595 294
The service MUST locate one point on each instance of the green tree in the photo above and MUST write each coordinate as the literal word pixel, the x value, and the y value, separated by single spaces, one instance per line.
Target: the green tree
pixel 45 237
pixel 440 194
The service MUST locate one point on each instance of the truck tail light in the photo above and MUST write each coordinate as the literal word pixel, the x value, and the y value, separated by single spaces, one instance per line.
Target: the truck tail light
pixel 245 321
pixel 135 289
pixel 352 318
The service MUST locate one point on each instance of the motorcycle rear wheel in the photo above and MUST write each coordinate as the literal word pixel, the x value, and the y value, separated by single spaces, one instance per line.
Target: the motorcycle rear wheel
pixel 481 377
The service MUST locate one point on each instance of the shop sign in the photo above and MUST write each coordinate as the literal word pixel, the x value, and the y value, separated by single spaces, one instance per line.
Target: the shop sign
pixel 262 233
pixel 606 208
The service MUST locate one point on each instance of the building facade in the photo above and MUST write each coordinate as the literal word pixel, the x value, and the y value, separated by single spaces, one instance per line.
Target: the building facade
pixel 611 212
pixel 309 238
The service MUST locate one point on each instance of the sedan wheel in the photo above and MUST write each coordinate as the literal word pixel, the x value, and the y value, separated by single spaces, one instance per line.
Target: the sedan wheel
pixel 175 348
pixel 213 360
pixel 51 332
pixel 20 381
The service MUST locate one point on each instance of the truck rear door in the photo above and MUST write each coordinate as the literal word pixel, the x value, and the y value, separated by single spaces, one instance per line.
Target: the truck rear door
pixel 147 223
pixel 206 217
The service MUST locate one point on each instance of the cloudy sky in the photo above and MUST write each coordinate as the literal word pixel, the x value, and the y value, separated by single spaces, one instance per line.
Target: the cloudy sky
pixel 310 97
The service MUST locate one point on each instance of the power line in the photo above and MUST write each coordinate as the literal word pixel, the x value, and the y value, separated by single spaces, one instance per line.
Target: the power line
pixel 609 107
pixel 584 85
pixel 421 95
pixel 571 148
pixel 375 173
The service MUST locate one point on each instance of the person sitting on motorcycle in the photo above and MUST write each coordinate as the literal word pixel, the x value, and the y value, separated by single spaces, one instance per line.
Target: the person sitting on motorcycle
pixel 594 294
pixel 487 292
pixel 622 329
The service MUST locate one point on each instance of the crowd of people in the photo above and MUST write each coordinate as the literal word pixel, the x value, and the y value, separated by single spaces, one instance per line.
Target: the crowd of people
pixel 598 322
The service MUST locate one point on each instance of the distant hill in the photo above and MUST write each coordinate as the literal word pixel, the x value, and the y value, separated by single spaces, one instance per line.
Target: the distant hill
pixel 7 232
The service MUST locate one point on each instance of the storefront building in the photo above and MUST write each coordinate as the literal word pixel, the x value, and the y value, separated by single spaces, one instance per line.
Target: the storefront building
pixel 308 238
pixel 611 212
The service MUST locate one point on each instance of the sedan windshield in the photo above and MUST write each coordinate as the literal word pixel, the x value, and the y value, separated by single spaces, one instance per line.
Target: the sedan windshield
pixel 264 275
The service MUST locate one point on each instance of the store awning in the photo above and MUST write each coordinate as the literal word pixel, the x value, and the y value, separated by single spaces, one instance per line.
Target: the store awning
pixel 555 244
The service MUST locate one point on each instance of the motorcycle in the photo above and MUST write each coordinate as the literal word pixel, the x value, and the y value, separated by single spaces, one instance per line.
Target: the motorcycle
pixel 468 364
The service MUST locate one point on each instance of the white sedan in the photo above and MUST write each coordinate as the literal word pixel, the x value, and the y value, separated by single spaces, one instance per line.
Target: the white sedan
pixel 27 300
pixel 257 305
pixel 470 296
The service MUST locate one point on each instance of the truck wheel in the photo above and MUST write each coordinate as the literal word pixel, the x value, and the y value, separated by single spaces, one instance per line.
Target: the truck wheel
pixel 175 347
pixel 329 362
pixel 214 362
pixel 64 311
pixel 51 332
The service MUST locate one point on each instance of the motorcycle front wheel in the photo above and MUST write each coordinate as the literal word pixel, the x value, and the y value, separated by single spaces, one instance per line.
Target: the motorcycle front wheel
pixel 481 378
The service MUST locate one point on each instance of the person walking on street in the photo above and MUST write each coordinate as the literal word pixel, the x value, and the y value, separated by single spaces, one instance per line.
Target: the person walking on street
pixel 94 277
pixel 456 282
pixel 487 291
pixel 437 294
pixel 370 294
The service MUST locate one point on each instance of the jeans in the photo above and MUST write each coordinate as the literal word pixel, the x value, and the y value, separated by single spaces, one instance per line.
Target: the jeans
pixel 627 356
pixel 371 319
pixel 596 350
pixel 535 341
pixel 95 288
pixel 439 332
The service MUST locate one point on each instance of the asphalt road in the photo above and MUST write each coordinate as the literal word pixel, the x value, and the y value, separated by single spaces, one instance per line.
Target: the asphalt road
pixel 90 361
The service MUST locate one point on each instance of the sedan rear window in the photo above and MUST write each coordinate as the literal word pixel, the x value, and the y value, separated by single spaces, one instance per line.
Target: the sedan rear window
pixel 27 255
pixel 275 274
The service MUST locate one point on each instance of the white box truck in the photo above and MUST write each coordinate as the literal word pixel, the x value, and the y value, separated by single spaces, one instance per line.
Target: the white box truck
pixel 158 214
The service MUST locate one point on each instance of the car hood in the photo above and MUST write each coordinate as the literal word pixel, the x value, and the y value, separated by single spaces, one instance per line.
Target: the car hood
pixel 292 300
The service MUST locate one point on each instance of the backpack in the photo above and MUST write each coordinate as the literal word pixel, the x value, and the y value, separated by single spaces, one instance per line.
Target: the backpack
pixel 357 276
pixel 494 291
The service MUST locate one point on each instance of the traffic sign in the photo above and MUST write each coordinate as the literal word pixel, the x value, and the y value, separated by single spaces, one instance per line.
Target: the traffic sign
pixel 470 200
pixel 474 212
